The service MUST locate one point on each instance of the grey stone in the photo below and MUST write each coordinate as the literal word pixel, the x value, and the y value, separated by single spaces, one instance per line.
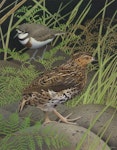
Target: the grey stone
pixel 108 119
pixel 13 107
pixel 70 133
pixel 38 115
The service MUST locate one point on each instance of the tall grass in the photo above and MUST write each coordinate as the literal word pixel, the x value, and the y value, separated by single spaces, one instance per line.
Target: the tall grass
pixel 102 88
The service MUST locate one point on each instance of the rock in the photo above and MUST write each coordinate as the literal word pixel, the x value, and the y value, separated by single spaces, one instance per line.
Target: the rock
pixel 8 64
pixel 5 114
pixel 38 115
pixel 13 107
pixel 63 133
pixel 89 113
pixel 74 136
pixel 35 113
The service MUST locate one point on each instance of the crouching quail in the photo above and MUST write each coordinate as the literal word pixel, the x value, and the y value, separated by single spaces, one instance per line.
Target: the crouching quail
pixel 57 86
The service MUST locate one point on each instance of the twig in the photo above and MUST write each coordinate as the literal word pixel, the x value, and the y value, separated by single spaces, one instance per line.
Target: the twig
pixel 11 11
pixel 2 3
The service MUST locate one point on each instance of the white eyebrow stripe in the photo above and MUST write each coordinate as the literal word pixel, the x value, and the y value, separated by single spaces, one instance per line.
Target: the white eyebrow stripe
pixel 22 35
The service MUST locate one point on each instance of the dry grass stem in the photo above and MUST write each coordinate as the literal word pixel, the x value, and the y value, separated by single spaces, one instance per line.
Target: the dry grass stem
pixel 11 11
pixel 2 3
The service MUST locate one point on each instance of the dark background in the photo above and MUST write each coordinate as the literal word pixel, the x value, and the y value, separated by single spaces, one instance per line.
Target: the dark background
pixel 52 6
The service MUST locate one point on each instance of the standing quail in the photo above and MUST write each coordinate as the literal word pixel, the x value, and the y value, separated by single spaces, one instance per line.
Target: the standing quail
pixel 57 86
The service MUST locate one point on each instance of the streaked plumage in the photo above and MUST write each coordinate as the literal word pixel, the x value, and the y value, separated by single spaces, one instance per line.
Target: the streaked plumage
pixel 58 85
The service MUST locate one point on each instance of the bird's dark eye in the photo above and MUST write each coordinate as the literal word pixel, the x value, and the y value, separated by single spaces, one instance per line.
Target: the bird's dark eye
pixel 22 31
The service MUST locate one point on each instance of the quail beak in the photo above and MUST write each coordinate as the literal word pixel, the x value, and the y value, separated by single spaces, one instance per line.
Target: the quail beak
pixel 94 60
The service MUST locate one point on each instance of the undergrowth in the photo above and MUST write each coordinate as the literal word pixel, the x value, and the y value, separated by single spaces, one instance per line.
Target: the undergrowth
pixel 97 36
pixel 19 135
pixel 12 82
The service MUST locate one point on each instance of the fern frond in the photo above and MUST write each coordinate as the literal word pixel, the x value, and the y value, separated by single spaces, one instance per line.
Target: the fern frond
pixel 32 138
pixel 12 124
pixel 13 81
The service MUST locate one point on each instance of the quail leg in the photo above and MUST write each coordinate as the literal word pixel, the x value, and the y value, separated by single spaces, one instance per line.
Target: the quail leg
pixel 47 119
pixel 64 119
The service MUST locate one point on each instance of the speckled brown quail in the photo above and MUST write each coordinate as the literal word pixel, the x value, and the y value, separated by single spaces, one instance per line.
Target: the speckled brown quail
pixel 57 86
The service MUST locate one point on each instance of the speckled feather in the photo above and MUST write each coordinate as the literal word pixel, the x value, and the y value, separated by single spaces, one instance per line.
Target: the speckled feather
pixel 58 85
pixel 58 79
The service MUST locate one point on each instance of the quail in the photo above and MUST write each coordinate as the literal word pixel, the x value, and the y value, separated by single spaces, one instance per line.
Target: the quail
pixel 57 86
pixel 35 36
